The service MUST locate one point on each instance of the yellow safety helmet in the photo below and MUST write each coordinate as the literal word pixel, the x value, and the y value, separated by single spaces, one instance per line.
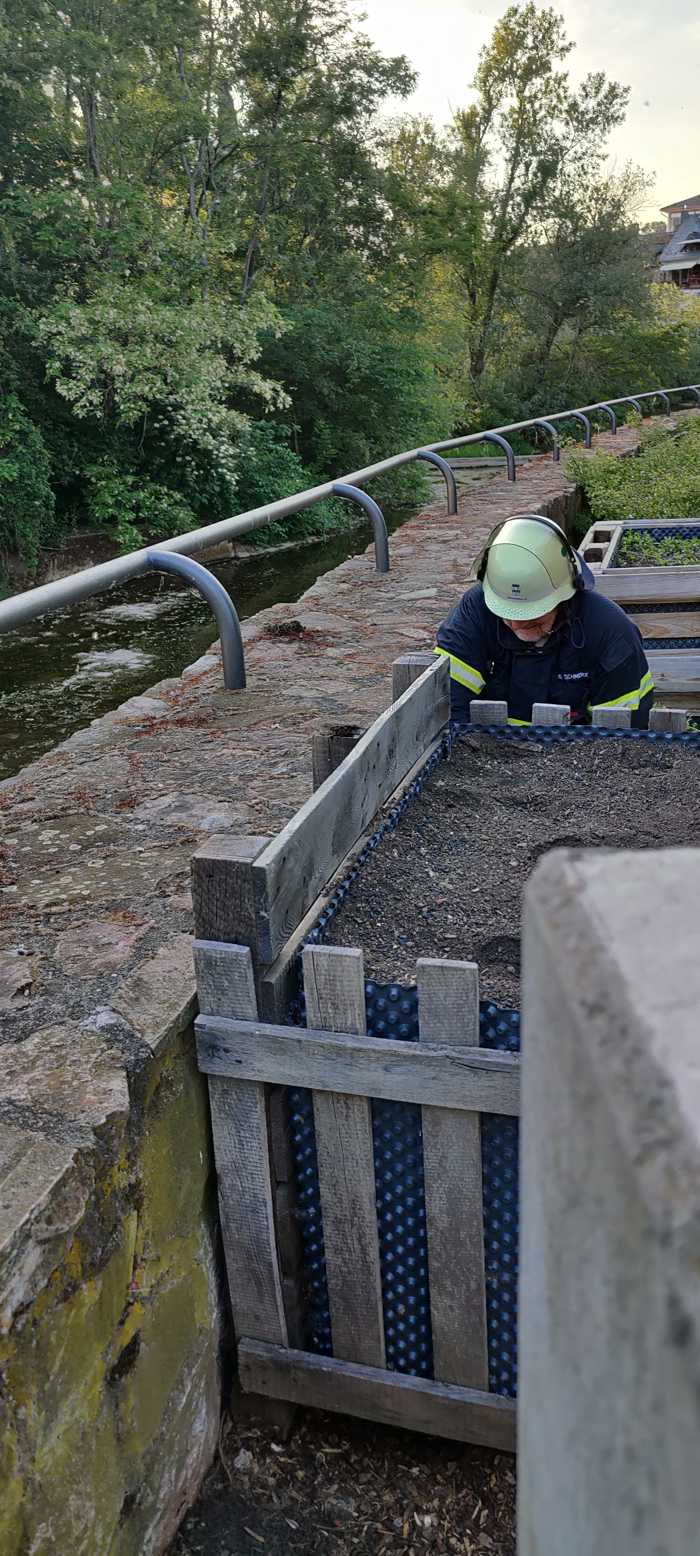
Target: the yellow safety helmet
pixel 527 568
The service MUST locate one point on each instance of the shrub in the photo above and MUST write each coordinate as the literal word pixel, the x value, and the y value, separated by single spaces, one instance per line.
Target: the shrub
pixel 26 499
pixel 662 481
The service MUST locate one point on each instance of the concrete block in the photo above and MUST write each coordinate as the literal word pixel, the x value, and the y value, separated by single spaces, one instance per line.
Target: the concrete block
pixel 546 713
pixel 672 721
pixel 488 712
pixel 609 1407
pixel 612 718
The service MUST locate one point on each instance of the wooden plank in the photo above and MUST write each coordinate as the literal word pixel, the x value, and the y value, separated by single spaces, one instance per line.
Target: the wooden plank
pixel 641 584
pixel 612 718
pixel 448 1011
pixel 417 1404
pixel 550 713
pixel 675 670
pixel 470 1078
pixel 290 872
pixel 409 668
pixel 633 524
pixel 222 890
pixel 673 721
pixel 668 624
pixel 334 986
pixel 277 985
pixel 488 712
pixel 226 982
pixel 330 747
pixel 448 1002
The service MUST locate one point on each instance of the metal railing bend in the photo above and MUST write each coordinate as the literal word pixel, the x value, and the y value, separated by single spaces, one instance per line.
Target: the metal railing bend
pixel 32 603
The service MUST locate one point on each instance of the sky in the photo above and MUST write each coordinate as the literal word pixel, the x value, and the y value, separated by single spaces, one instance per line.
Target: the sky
pixel 652 46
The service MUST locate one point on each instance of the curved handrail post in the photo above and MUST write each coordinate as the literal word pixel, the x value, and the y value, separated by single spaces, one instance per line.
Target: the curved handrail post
pixel 659 394
pixel 381 537
pixel 221 604
pixel 693 389
pixel 447 471
pixel 628 400
pixel 609 412
pixel 579 416
pixel 495 437
pixel 540 422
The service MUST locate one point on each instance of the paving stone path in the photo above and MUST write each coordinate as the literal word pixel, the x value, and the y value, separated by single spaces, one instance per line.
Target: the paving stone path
pixel 97 835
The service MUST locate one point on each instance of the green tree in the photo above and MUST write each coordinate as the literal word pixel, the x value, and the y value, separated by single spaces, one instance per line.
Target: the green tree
pixel 514 147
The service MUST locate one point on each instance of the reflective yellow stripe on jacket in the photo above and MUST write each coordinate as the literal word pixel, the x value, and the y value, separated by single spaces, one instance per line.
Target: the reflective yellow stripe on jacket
pixel 462 672
pixel 630 699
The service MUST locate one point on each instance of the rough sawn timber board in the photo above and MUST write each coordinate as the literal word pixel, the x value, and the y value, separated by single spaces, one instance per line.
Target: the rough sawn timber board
pixel 278 982
pixel 668 624
pixel 675 670
pixel 639 585
pixel 472 1078
pixel 448 1012
pixel 291 871
pixel 226 982
pixel 334 986
pixel 440 1409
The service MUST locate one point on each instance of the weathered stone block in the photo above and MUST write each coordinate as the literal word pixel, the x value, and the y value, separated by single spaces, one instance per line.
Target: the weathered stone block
pixel 609 1404
pixel 110 1369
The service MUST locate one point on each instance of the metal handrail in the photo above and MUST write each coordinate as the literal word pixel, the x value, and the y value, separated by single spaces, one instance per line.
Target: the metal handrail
pixel 613 418
pixel 441 464
pixel 540 421
pixel 222 605
pixel 585 423
pixel 21 608
pixel 492 437
pixel 381 535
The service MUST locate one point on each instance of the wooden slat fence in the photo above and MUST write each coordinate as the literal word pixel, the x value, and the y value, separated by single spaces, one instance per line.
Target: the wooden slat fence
pixel 454 1081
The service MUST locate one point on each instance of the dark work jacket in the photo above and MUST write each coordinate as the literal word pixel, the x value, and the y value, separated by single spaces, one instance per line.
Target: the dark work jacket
pixel 593 657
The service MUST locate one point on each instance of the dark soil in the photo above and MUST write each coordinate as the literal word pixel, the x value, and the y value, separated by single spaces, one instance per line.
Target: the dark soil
pixel 339 1486
pixel 449 881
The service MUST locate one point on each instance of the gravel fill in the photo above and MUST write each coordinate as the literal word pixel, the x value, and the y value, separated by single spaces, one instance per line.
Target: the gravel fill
pixel 449 881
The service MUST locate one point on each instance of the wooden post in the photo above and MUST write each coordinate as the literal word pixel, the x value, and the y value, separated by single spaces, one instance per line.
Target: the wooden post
pixel 448 1009
pixel 550 713
pixel 225 914
pixel 672 721
pixel 226 987
pixel 223 893
pixel 407 669
pixel 334 985
pixel 488 712
pixel 330 748
pixel 612 718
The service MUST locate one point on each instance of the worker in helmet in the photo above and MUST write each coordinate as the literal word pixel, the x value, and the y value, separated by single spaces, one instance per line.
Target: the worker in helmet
pixel 533 629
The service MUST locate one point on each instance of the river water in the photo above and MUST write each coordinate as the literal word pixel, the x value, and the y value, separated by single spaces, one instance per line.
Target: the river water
pixel 59 672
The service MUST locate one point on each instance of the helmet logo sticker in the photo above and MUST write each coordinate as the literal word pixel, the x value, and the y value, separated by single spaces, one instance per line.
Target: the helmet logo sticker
pixel 515 588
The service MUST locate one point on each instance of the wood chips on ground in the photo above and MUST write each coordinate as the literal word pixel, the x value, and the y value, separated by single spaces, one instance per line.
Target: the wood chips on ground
pixel 339 1486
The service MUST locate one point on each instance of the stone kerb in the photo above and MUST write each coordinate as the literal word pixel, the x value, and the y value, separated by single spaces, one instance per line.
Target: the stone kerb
pixel 108 1284
pixel 609 1393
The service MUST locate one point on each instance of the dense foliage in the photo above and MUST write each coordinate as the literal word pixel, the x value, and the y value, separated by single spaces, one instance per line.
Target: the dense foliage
pixel 225 274
pixel 662 481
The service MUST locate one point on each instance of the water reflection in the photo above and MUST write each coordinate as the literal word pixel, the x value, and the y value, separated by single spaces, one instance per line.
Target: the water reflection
pixel 59 673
